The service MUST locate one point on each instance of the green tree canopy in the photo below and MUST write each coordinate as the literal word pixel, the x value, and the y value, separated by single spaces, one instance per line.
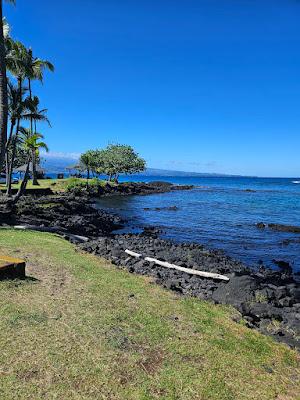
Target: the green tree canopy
pixel 89 161
pixel 114 160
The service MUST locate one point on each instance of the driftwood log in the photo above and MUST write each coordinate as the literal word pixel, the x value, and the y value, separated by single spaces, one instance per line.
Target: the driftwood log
pixel 165 264
pixel 58 230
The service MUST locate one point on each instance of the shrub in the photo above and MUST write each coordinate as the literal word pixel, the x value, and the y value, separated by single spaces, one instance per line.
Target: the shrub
pixel 80 186
pixel 76 186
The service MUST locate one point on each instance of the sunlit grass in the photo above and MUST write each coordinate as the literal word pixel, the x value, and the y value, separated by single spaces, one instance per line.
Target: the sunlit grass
pixel 81 329
pixel 56 185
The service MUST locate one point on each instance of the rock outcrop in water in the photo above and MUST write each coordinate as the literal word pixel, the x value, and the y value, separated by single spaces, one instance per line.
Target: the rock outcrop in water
pixel 137 188
pixel 169 208
pixel 279 227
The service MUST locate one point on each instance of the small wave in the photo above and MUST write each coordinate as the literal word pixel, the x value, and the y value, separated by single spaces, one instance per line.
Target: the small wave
pixel 296 182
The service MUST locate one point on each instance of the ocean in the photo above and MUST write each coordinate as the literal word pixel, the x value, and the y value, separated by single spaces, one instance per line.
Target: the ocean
pixel 221 213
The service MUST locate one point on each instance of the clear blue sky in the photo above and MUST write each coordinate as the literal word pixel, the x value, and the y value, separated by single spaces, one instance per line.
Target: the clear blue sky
pixel 197 85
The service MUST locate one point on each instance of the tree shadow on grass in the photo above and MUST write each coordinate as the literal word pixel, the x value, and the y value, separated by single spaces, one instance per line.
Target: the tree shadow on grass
pixel 19 281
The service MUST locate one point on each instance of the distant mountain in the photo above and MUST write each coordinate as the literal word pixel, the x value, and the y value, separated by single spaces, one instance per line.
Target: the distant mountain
pixel 166 172
pixel 55 165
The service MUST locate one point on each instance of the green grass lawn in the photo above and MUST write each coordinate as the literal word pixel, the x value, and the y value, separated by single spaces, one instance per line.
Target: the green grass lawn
pixel 81 329
pixel 54 184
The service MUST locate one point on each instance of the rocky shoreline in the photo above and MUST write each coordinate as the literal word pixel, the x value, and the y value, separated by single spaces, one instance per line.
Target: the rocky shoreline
pixel 69 213
pixel 74 212
pixel 140 188
pixel 266 300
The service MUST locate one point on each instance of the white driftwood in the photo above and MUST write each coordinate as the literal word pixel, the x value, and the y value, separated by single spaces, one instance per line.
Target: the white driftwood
pixel 203 274
pixel 133 254
pixel 58 231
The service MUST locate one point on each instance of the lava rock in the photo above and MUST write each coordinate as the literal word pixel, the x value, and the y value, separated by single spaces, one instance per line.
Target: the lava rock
pixel 260 296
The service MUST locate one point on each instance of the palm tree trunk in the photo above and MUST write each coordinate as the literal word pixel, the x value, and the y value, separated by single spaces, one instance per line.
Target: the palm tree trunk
pixel 14 143
pixel 24 182
pixel 12 160
pixel 11 168
pixel 12 125
pixel 30 96
pixel 3 94
pixel 34 174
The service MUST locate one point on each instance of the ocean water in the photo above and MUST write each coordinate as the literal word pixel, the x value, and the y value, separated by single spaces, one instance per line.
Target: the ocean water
pixel 220 213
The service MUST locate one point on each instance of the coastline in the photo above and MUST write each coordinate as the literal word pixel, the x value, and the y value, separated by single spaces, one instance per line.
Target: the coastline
pixel 76 310
pixel 266 300
pixel 257 225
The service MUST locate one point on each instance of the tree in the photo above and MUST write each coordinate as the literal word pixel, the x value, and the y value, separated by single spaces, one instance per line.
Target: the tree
pixel 36 72
pixel 31 144
pixel 34 112
pixel 34 115
pixel 37 67
pixel 3 88
pixel 16 110
pixel 116 159
pixel 22 65
pixel 21 156
pixel 89 161
pixel 18 65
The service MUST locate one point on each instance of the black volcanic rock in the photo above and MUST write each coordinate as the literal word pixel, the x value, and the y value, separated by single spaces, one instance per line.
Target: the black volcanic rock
pixel 239 290
pixel 64 212
pixel 170 208
pixel 284 228
pixel 261 296
pixel 279 227
pixel 132 188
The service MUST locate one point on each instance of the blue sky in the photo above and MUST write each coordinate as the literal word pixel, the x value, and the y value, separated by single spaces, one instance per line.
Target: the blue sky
pixel 196 85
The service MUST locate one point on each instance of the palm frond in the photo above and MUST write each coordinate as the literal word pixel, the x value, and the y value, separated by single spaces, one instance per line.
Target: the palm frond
pixel 6 28
pixel 38 66
pixel 17 59
pixel 32 104
pixel 16 107
pixel 43 145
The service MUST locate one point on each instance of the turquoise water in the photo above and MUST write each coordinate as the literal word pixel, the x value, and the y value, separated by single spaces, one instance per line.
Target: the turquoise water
pixel 221 213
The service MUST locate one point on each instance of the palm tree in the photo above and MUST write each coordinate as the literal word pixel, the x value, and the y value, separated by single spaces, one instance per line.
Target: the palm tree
pixel 17 64
pixel 35 114
pixel 16 110
pixel 3 89
pixel 37 68
pixel 23 65
pixel 17 60
pixel 86 159
pixel 31 144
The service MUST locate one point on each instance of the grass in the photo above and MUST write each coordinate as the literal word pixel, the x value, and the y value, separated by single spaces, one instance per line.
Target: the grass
pixel 81 329
pixel 56 185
